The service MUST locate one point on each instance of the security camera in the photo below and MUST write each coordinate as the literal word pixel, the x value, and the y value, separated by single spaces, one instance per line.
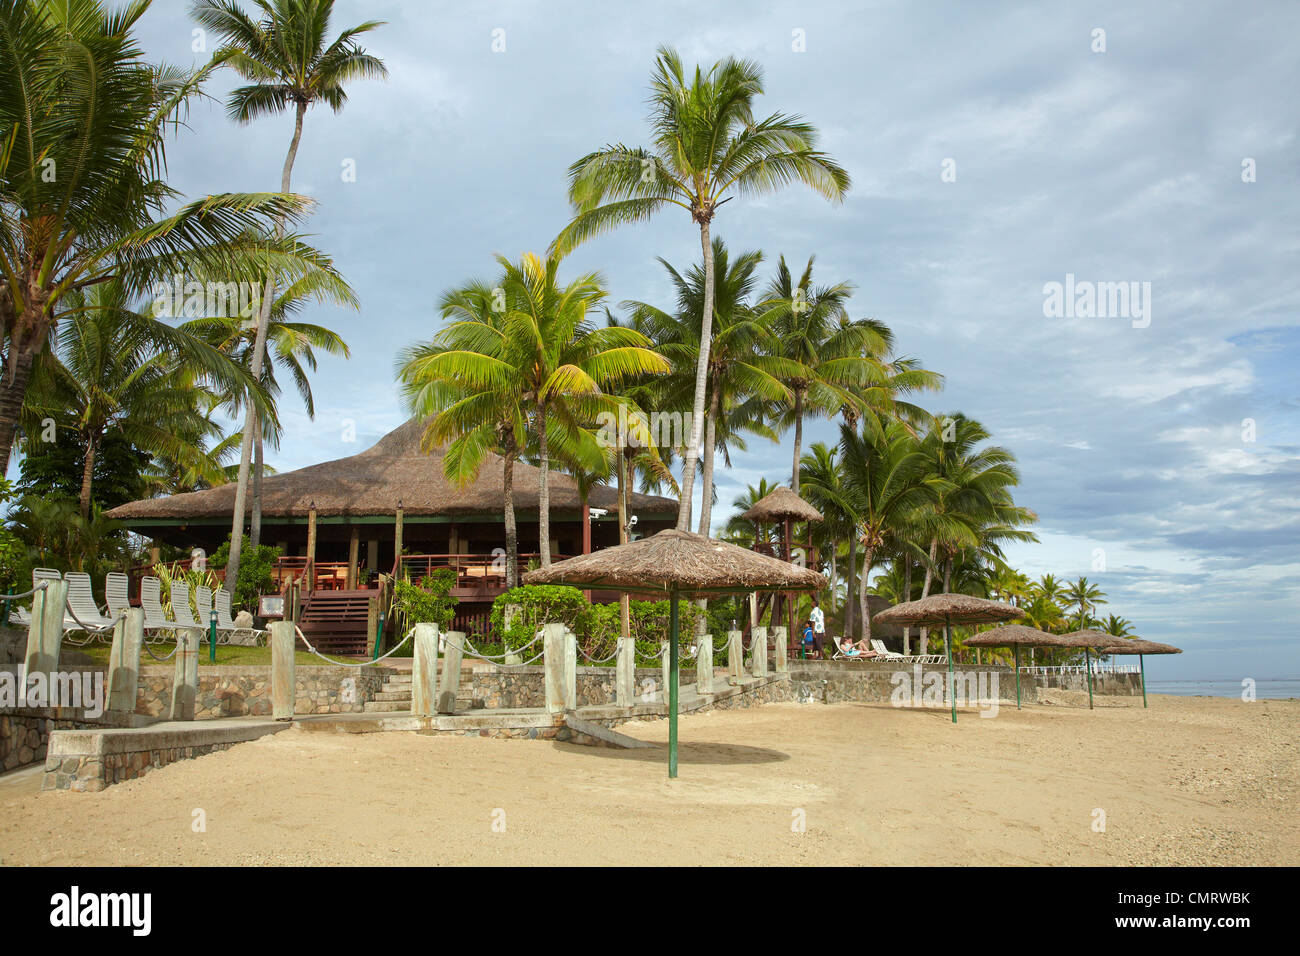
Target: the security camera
pixel 631 521
pixel 599 512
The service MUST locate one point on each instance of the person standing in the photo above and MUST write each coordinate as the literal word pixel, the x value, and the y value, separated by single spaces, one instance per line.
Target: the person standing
pixel 818 619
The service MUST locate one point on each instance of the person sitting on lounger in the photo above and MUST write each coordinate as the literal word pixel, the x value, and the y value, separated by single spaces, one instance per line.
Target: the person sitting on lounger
pixel 859 649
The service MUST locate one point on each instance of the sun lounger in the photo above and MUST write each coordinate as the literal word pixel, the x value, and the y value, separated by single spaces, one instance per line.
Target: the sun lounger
pixel 224 622
pixel 879 647
pixel 85 612
pixel 155 619
pixel 117 592
pixel 182 613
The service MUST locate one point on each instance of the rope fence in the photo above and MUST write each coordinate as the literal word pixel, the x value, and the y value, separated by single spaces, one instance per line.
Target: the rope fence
pixel 353 663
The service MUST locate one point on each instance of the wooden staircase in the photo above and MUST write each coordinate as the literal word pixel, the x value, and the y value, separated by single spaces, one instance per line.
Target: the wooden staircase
pixel 337 622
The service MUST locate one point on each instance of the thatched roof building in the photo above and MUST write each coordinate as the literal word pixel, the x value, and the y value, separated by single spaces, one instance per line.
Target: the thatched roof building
pixel 373 482
pixel 780 504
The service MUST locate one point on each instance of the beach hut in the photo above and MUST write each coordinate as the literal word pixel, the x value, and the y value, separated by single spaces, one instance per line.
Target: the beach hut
pixel 1135 645
pixel 677 564
pixel 782 506
pixel 949 609
pixel 1015 636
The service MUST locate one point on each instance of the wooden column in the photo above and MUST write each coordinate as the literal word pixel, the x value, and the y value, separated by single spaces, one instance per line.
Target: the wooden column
pixel 779 651
pixel 735 658
pixel 397 540
pixel 758 651
pixel 553 649
pixel 625 673
pixel 310 573
pixel 424 670
pixel 354 546
pixel 283 680
pixel 704 665
pixel 185 682
pixel 449 679
pixel 124 661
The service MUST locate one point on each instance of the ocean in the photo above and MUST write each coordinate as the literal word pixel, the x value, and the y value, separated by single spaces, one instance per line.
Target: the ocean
pixel 1271 688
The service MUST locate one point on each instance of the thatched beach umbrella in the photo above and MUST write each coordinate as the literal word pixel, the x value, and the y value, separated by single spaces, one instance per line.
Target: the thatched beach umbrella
pixel 1014 636
pixel 677 564
pixel 1135 645
pixel 949 609
pixel 782 505
pixel 1088 638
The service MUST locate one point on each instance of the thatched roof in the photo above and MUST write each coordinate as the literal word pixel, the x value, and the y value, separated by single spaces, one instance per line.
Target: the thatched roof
pixel 678 561
pixel 940 609
pixel 372 482
pixel 1090 637
pixel 779 505
pixel 1010 634
pixel 1124 645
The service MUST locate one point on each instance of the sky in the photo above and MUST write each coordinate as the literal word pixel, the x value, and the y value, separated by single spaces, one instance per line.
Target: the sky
pixel 994 148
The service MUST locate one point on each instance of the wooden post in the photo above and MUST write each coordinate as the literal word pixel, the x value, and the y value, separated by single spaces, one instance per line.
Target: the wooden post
pixel 664 657
pixel 570 670
pixel 310 571
pixel 735 658
pixel 449 679
pixel 283 682
pixel 625 673
pixel 44 641
pixel 424 670
pixel 397 541
pixel 758 651
pixel 124 661
pixel 782 662
pixel 185 683
pixel 553 641
pixel 672 684
pixel 354 547
pixel 704 665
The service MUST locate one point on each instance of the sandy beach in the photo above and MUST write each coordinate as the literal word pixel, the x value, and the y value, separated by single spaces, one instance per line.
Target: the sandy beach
pixel 1195 781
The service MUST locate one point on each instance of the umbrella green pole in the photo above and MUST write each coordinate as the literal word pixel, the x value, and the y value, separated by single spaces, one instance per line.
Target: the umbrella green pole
pixel 672 685
pixel 1015 649
pixel 952 687
pixel 1087 656
pixel 1143 671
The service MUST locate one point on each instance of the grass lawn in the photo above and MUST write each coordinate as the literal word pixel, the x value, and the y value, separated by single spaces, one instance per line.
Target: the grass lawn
pixel 227 654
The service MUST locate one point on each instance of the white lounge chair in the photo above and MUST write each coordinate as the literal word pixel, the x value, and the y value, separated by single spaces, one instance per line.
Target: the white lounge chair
pixel 23 616
pixel 225 623
pixel 879 647
pixel 203 598
pixel 117 592
pixel 155 619
pixel 840 655
pixel 85 612
pixel 182 613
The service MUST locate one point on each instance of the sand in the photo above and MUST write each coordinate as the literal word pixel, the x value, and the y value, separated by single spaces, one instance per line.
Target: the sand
pixel 1190 781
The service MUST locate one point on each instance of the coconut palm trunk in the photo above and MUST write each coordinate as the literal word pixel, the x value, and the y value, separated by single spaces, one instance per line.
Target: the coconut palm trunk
pixel 624 602
pixel 710 439
pixel 255 368
pixel 907 596
pixel 701 379
pixel 798 438
pixel 13 386
pixel 512 530
pixel 925 591
pixel 862 593
pixel 255 523
pixel 87 475
pixel 850 580
pixel 543 490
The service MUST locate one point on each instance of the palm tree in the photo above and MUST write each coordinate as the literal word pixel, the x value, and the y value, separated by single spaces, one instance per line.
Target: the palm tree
pixel 523 359
pixel 886 481
pixel 288 60
pixel 1118 626
pixel 707 149
pixel 832 355
pixel 826 488
pixel 744 378
pixel 84 121
pixel 110 373
pixel 1084 596
pixel 292 345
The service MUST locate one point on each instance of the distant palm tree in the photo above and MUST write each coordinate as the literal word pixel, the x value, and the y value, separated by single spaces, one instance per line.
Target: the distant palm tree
pixel 707 149
pixel 83 127
pixel 120 371
pixel 289 61
pixel 523 359
pixel 744 371
pixel 1118 626
pixel 1084 596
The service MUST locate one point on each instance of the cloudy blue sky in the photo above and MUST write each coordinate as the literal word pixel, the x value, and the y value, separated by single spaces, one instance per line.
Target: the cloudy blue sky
pixel 1122 165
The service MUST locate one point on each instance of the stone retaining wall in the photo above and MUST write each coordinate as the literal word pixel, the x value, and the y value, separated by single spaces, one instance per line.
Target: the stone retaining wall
pixel 238 691
pixel 25 733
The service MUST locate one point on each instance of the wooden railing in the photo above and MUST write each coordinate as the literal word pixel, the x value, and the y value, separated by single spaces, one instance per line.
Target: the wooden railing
pixel 476 572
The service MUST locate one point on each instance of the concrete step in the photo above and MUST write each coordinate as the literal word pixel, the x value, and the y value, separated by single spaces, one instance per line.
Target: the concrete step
pixel 404 706
pixel 393 695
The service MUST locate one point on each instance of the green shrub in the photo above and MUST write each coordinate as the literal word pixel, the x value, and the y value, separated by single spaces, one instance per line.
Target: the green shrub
pixel 538 604
pixel 256 567
pixel 427 601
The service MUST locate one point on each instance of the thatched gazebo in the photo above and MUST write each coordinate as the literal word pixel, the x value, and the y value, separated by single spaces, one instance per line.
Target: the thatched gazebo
pixel 1015 636
pixel 677 564
pixel 782 505
pixel 1135 645
pixel 949 609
